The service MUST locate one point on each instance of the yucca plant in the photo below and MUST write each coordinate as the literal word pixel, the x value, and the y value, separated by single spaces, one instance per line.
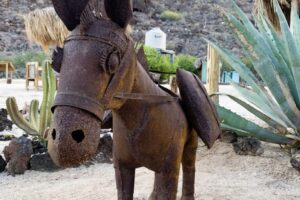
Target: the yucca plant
pixel 39 118
pixel 276 59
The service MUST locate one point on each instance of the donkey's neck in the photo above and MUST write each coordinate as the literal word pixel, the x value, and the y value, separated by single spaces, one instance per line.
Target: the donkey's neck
pixel 143 83
pixel 135 112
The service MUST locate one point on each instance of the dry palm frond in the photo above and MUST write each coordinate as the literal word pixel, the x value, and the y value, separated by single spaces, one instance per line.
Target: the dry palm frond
pixel 45 28
pixel 265 7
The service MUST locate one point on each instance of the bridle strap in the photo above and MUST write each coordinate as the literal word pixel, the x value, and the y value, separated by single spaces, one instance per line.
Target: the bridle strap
pixel 104 40
pixel 151 98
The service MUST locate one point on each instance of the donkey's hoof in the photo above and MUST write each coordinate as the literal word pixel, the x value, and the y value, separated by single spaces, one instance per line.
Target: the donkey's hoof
pixel 187 198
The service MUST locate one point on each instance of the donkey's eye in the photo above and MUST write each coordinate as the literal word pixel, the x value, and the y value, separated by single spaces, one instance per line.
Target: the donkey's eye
pixel 113 63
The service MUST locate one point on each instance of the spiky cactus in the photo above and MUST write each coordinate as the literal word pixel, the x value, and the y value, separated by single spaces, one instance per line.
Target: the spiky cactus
pixel 38 121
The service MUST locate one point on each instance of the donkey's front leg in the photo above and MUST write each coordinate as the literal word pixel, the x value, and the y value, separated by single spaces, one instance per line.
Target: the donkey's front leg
pixel 125 182
pixel 165 186
pixel 166 181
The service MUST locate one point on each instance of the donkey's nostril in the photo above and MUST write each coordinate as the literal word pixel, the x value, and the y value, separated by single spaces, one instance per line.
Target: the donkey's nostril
pixel 78 135
pixel 53 134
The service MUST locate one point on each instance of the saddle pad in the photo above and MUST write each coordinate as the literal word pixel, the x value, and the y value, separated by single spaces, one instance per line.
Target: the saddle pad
pixel 199 108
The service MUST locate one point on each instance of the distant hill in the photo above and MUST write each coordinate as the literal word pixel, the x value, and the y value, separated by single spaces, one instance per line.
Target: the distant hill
pixel 198 18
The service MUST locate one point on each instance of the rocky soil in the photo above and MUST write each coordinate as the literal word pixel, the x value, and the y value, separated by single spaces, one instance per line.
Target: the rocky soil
pixel 201 18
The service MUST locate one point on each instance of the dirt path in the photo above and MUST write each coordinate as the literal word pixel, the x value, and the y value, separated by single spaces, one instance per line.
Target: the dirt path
pixel 221 175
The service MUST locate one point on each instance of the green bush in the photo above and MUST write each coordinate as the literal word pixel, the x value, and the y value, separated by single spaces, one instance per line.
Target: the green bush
pixel 19 60
pixel 161 63
pixel 171 15
pixel 186 62
pixel 158 62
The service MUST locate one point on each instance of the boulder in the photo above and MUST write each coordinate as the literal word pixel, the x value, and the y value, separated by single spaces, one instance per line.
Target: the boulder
pixel 104 152
pixel 17 155
pixel 2 164
pixel 4 122
pixel 248 146
pixel 38 147
pixel 295 159
pixel 42 162
pixel 228 137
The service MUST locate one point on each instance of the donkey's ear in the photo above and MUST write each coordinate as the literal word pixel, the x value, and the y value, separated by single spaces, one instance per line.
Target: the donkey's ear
pixel 119 11
pixel 69 11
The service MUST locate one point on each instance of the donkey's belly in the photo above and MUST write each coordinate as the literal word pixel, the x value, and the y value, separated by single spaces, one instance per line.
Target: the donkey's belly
pixel 148 143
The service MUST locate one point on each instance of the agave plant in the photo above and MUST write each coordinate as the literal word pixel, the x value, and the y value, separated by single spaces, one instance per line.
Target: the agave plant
pixel 276 60
pixel 39 118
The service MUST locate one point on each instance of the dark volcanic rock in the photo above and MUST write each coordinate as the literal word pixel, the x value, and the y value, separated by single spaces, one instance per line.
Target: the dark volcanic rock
pixel 4 122
pixel 2 164
pixel 17 155
pixel 228 137
pixel 248 146
pixel 295 159
pixel 104 152
pixel 38 147
pixel 42 162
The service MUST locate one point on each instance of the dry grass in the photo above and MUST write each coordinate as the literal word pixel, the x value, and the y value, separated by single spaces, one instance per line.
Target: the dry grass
pixel 45 28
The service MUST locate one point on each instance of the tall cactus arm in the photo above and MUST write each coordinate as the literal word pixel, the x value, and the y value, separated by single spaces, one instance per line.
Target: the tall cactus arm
pixel 48 96
pixel 17 118
pixel 34 114
pixel 51 95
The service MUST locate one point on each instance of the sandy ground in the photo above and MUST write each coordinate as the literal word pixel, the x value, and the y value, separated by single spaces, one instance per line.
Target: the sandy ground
pixel 221 174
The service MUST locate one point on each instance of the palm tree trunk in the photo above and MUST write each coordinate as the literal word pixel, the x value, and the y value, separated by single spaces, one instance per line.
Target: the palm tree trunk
pixel 266 8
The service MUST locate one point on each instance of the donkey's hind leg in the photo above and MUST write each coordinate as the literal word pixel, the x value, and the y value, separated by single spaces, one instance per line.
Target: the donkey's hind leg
pixel 125 182
pixel 188 167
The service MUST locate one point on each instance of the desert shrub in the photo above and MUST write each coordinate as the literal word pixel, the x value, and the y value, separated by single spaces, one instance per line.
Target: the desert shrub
pixel 186 62
pixel 171 15
pixel 158 62
pixel 20 59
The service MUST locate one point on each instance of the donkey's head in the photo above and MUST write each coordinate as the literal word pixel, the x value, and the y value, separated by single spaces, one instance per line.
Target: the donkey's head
pixel 97 62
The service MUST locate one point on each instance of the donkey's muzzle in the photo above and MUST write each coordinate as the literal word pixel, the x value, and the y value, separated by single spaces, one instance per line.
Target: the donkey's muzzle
pixel 74 137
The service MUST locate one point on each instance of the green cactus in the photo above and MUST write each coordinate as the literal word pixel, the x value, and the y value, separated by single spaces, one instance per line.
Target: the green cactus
pixel 38 122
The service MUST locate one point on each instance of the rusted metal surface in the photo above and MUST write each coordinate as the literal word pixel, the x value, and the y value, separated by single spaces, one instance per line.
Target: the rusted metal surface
pixel 199 107
pixel 99 71
pixel 74 137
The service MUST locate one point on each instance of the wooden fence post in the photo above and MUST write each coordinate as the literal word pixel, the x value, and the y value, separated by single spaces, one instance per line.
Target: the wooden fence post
pixel 213 72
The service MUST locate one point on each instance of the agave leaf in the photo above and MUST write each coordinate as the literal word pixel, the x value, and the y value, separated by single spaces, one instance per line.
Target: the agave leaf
pixel 229 119
pixel 255 99
pixel 293 51
pixel 269 119
pixel 250 78
pixel 263 61
pixel 242 69
pixel 280 63
pixel 277 38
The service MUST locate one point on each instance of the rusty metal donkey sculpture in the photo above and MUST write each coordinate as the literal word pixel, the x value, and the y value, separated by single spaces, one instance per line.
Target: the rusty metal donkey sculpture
pixel 99 71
